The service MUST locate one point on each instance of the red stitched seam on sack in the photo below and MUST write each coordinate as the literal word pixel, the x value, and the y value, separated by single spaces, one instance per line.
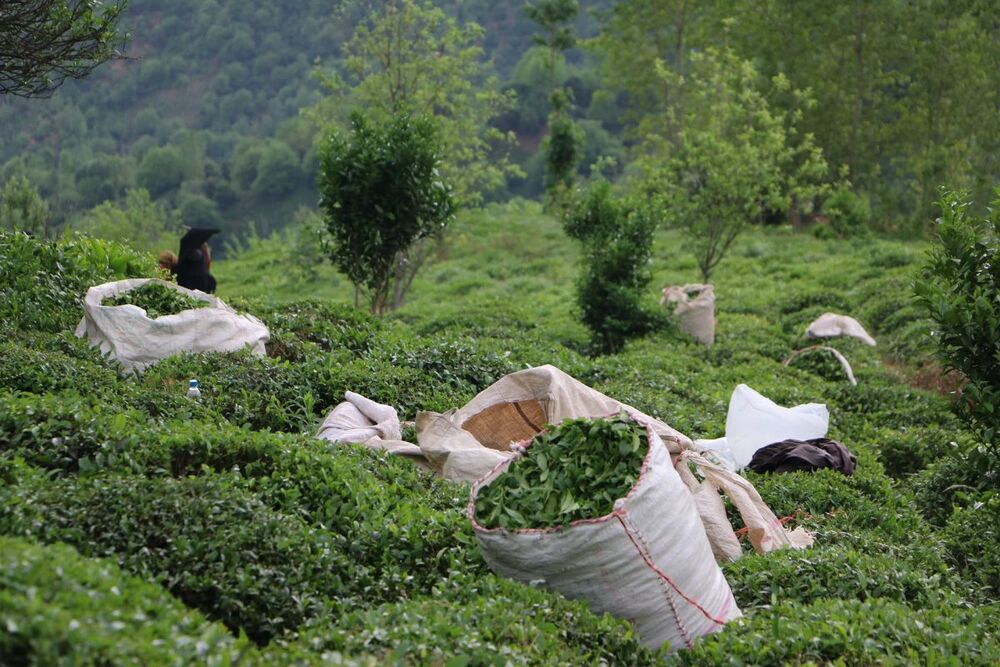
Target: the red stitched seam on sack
pixel 622 518
pixel 661 573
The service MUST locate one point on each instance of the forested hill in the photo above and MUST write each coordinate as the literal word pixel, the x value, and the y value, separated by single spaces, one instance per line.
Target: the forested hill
pixel 206 112
pixel 209 94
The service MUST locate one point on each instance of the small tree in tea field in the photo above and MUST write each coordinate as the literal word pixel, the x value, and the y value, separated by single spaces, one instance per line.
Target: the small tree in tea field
pixel 960 290
pixel 381 193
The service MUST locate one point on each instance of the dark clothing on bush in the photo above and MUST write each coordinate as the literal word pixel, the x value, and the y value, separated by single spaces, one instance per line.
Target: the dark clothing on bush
pixel 191 272
pixel 193 262
pixel 807 455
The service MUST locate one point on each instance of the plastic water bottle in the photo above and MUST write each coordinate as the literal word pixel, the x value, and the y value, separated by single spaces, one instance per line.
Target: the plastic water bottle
pixel 193 391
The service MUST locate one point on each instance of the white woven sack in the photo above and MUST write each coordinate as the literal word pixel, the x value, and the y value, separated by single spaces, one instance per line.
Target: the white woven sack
pixel 696 316
pixel 649 561
pixel 137 342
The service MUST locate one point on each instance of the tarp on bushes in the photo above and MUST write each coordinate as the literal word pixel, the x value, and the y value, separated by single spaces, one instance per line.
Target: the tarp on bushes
pixel 136 341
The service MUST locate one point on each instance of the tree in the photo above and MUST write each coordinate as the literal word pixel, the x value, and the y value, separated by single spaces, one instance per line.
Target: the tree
pixel 616 237
pixel 958 290
pixel 735 158
pixel 45 42
pixel 381 193
pixel 563 146
pixel 161 171
pixel 412 58
pixel 22 209
pixel 278 171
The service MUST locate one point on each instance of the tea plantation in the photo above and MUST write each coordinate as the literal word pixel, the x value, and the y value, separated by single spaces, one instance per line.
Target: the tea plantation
pixel 140 527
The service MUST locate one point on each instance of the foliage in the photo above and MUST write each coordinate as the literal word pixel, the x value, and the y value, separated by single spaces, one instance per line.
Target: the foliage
pixel 22 209
pixel 41 283
pixel 575 470
pixel 848 214
pixel 973 539
pixel 146 224
pixel 157 300
pixel 484 621
pixel 193 537
pixel 42 43
pixel 57 607
pixel 412 57
pixel 617 243
pixel 827 632
pixel 381 193
pixel 245 523
pixel 733 157
pixel 958 289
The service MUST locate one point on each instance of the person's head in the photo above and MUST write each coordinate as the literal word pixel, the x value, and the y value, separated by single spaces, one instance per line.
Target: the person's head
pixel 167 260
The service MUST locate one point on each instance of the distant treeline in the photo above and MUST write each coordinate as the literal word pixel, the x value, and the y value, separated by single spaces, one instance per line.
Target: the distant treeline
pixel 206 112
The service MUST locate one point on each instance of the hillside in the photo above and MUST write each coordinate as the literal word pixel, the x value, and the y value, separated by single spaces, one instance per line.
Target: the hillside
pixel 336 553
pixel 210 110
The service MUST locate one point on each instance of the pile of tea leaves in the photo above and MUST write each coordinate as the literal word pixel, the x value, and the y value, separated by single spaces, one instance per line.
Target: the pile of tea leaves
pixel 576 470
pixel 156 299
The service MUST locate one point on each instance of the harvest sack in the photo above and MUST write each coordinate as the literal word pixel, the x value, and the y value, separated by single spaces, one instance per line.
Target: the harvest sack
pixel 696 315
pixel 137 342
pixel 755 421
pixel 649 561
pixel 829 325
pixel 363 421
pixel 466 443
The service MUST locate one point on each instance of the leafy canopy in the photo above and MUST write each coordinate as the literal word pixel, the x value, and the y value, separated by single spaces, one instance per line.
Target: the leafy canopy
pixel 45 42
pixel 735 157
pixel 411 57
pixel 381 192
pixel 959 290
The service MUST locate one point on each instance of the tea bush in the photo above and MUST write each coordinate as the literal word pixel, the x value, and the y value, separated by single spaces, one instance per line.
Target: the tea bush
pixel 57 607
pixel 216 547
pixel 42 282
pixel 831 571
pixel 484 621
pixel 851 632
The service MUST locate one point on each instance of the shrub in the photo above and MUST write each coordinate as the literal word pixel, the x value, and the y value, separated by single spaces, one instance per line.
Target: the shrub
pixel 973 539
pixel 381 193
pixel 958 291
pixel 42 282
pixel 849 214
pixel 850 632
pixel 59 608
pixel 484 621
pixel 214 546
pixel 830 570
pixel 617 244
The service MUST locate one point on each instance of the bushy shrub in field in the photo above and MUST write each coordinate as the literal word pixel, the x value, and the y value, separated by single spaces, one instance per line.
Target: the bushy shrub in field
pixel 958 290
pixel 953 481
pixel 57 607
pixel 258 392
pixel 830 571
pixel 216 547
pixel 27 368
pixel 849 215
pixel 851 632
pixel 42 282
pixel 973 539
pixel 484 621
pixel 617 240
pixel 906 451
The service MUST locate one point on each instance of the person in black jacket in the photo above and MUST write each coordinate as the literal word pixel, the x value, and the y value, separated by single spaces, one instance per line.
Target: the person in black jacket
pixel 194 261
